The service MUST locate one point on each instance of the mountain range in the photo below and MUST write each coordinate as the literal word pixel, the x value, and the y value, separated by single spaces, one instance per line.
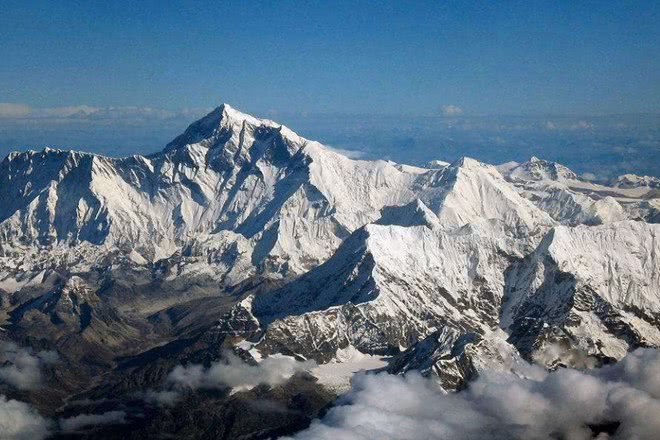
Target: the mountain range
pixel 241 238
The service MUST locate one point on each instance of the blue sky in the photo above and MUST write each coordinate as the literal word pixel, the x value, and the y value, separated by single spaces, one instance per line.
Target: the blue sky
pixel 575 81
pixel 355 57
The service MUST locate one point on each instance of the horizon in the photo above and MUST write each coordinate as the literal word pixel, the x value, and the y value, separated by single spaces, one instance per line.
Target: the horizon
pixel 609 145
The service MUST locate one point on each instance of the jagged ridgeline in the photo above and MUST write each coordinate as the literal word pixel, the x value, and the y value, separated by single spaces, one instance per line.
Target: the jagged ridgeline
pixel 241 235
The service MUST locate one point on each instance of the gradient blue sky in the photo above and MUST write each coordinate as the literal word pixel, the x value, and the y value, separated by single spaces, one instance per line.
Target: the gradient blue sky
pixel 528 57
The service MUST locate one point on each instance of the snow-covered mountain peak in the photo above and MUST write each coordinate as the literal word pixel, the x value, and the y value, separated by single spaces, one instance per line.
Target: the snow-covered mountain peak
pixel 538 169
pixel 627 181
pixel 224 123
pixel 467 162
pixel 34 155
pixel 436 164
pixel 475 192
pixel 415 213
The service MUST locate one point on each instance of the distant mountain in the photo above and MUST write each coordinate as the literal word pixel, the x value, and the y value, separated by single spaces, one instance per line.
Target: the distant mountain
pixel 634 181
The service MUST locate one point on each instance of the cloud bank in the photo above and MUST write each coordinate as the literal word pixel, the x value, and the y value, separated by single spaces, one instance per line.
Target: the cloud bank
pixel 10 110
pixel 20 367
pixel 620 401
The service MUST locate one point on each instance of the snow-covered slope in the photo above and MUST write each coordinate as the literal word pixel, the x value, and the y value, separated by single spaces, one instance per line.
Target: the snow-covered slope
pixel 537 169
pixel 569 200
pixel 598 287
pixel 473 192
pixel 387 287
pixel 293 200
pixel 289 201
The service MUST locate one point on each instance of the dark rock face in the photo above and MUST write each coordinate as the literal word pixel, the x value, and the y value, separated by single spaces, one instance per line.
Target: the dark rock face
pixel 454 357
pixel 261 413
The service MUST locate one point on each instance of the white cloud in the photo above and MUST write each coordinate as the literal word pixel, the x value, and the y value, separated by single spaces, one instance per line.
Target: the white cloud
pixel 161 398
pixel 560 404
pixel 233 372
pixel 19 421
pixel 549 125
pixel 80 421
pixel 16 110
pixel 64 112
pixel 589 176
pixel 351 154
pixel 582 125
pixel 21 367
pixel 564 125
pixel 451 110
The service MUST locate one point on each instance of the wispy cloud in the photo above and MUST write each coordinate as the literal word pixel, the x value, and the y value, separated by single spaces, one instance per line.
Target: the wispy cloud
pixel 21 366
pixel 589 176
pixel 81 421
pixel 12 110
pixel 19 421
pixel 231 372
pixel 161 398
pixel 351 154
pixel 568 124
pixel 451 110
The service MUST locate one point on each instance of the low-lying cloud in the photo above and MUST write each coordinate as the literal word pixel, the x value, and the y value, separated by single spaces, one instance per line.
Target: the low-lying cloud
pixel 19 421
pixel 231 372
pixel 623 400
pixel 161 398
pixel 21 367
pixel 82 421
